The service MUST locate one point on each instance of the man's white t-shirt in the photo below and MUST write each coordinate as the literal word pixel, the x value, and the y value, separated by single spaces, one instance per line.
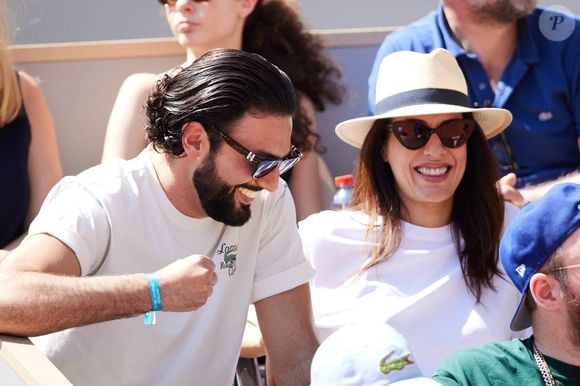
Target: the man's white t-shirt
pixel 260 259
pixel 419 291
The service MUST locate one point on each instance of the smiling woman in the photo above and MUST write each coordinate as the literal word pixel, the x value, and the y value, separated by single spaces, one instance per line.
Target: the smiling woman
pixel 422 235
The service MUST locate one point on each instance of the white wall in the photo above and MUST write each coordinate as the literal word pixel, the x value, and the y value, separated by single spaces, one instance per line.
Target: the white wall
pixel 49 21
pixel 81 95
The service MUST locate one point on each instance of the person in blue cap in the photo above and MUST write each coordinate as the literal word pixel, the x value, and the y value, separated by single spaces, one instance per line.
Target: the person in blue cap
pixel 540 252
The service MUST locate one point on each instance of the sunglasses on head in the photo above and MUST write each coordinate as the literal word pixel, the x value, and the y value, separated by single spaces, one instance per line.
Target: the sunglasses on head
pixel 264 165
pixel 415 133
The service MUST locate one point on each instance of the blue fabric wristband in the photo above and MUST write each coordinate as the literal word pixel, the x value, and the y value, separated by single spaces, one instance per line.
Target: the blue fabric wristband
pixel 156 304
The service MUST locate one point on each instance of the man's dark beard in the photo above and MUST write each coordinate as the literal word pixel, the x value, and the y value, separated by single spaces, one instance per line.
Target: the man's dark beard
pixel 501 11
pixel 217 197
pixel 573 308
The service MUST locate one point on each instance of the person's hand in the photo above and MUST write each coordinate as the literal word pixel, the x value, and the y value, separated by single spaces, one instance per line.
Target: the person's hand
pixel 186 283
pixel 506 187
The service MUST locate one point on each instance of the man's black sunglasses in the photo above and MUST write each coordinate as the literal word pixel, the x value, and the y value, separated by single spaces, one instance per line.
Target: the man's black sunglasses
pixel 264 165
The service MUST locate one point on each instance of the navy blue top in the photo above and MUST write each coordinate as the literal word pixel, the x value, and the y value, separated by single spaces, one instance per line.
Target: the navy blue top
pixel 540 86
pixel 14 183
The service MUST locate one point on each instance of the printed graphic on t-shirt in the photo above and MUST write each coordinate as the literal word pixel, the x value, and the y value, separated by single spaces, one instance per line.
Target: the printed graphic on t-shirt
pixel 228 254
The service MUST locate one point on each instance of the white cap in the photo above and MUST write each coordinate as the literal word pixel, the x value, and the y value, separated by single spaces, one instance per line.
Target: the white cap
pixel 369 354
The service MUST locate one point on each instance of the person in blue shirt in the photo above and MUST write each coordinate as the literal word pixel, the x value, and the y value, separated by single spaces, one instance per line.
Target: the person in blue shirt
pixel 519 57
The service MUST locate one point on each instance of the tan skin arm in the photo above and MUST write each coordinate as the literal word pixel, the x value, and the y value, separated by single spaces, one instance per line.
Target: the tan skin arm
pixel 286 323
pixel 305 182
pixel 44 166
pixel 252 343
pixel 42 291
pixel 306 191
pixel 125 136
pixel 530 193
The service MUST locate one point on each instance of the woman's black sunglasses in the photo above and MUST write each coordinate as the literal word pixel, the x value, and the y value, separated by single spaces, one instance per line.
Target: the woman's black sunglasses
pixel 264 165
pixel 415 133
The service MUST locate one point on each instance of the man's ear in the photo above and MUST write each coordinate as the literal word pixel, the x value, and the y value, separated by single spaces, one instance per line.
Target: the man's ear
pixel 546 291
pixel 193 138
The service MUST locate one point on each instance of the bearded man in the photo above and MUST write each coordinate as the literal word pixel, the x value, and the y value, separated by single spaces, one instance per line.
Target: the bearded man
pixel 516 56
pixel 198 226
pixel 540 252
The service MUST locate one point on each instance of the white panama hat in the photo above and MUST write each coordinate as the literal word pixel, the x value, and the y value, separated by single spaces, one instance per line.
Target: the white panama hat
pixel 411 83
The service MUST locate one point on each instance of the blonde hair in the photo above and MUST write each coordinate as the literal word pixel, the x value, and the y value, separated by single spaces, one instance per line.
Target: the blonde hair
pixel 10 98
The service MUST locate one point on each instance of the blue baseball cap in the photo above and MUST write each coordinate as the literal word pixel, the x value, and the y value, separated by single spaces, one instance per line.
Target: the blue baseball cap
pixel 534 235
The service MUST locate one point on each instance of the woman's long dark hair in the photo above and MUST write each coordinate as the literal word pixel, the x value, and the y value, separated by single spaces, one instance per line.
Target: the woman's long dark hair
pixel 274 30
pixel 477 215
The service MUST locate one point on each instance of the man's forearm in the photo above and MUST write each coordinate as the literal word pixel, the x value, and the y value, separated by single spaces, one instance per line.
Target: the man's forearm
pixel 535 192
pixel 296 373
pixel 37 303
pixel 287 327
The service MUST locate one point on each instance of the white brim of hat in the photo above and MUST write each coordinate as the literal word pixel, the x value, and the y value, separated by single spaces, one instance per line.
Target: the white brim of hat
pixel 491 120
pixel 522 318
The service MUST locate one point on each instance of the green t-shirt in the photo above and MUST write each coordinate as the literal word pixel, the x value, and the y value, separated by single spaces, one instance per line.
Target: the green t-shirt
pixel 504 363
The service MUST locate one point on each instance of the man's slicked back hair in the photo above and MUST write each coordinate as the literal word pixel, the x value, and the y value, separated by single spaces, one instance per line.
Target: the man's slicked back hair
pixel 216 90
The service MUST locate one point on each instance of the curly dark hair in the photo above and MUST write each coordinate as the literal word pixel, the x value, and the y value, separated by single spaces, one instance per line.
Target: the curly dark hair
pixel 275 31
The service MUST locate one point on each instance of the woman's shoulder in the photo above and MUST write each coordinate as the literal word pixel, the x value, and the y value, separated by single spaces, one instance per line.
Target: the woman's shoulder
pixel 135 89
pixel 35 104
pixel 142 81
pixel 28 86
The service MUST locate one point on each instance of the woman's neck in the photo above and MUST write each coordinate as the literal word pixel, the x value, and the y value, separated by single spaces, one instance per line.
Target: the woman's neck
pixel 428 215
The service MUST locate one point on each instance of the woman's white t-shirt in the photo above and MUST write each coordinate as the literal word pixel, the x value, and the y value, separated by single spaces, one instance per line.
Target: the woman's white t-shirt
pixel 420 290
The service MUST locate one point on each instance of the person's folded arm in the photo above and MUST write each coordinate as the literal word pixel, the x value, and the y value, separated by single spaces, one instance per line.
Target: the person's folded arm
pixel 287 327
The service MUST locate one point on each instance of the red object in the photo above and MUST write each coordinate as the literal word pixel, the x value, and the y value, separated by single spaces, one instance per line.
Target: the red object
pixel 345 180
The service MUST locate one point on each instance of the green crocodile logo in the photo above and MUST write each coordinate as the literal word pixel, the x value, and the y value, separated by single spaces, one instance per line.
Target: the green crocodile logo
pixel 230 257
pixel 387 366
